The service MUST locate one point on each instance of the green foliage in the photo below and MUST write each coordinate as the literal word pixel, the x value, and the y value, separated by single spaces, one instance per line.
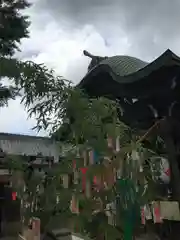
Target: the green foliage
pixel 14 26
pixel 91 121
pixel 33 82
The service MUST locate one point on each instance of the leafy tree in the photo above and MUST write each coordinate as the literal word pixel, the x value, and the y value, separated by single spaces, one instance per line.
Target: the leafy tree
pixel 92 122
pixel 13 27
pixel 31 81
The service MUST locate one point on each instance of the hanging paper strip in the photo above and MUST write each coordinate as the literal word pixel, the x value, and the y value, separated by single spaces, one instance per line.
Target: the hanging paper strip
pixel 167 172
pixel 112 220
pixel 76 177
pixel 140 168
pixel 114 175
pixel 117 144
pixel 95 157
pixel 75 171
pixel 148 214
pixel 135 155
pixel 143 218
pixel 156 212
pixel 77 152
pixel 110 142
pixel 74 164
pixel 74 205
pixel 97 182
pixel 88 189
pixel 119 173
pixel 85 158
pixel 108 210
pixel 36 226
pixel 83 171
pixel 14 196
pixel 91 157
pixel 65 180
pixel 128 229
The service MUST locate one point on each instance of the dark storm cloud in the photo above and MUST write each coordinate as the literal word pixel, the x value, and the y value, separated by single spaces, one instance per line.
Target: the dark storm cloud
pixel 150 25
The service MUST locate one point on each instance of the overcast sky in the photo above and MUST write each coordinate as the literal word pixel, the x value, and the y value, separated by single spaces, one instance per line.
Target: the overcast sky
pixel 62 29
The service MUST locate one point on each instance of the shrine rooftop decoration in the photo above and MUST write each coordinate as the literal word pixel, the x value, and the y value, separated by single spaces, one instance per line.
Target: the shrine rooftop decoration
pixel 145 91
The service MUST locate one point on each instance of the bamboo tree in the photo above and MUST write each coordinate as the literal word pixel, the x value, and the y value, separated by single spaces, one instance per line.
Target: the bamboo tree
pixel 91 123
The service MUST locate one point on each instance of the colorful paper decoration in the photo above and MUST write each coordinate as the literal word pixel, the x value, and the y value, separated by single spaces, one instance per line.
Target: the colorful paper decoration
pixel 119 173
pixel 118 144
pixel 111 213
pixel 108 210
pixel 65 180
pixel 145 214
pixel 148 213
pixel 74 205
pixel 83 171
pixel 135 155
pixel 74 164
pixel 156 212
pixel 76 177
pixel 164 173
pixel 75 171
pixel 128 209
pixel 97 182
pixel 36 226
pixel 167 172
pixel 93 157
pixel 14 196
pixel 170 210
pixel 88 189
pixel 143 218
pixel 85 158
pixel 110 142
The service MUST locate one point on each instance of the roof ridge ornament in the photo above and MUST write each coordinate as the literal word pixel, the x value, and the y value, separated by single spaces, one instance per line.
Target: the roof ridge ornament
pixel 95 60
pixel 87 54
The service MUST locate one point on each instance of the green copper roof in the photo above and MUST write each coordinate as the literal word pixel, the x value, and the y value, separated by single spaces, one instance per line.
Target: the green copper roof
pixel 127 70
pixel 124 65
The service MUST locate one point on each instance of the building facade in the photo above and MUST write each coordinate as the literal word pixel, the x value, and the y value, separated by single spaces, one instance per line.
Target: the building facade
pixel 38 151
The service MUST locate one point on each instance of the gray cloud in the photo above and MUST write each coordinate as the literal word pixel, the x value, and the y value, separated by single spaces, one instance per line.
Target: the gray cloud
pixel 61 29
pixel 150 26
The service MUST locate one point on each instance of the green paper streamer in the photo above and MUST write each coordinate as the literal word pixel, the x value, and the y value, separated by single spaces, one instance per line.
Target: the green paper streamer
pixel 128 208
pixel 128 231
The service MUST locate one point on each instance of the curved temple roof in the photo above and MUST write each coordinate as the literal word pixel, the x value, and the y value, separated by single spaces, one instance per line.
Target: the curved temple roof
pixel 126 69
pixel 124 65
